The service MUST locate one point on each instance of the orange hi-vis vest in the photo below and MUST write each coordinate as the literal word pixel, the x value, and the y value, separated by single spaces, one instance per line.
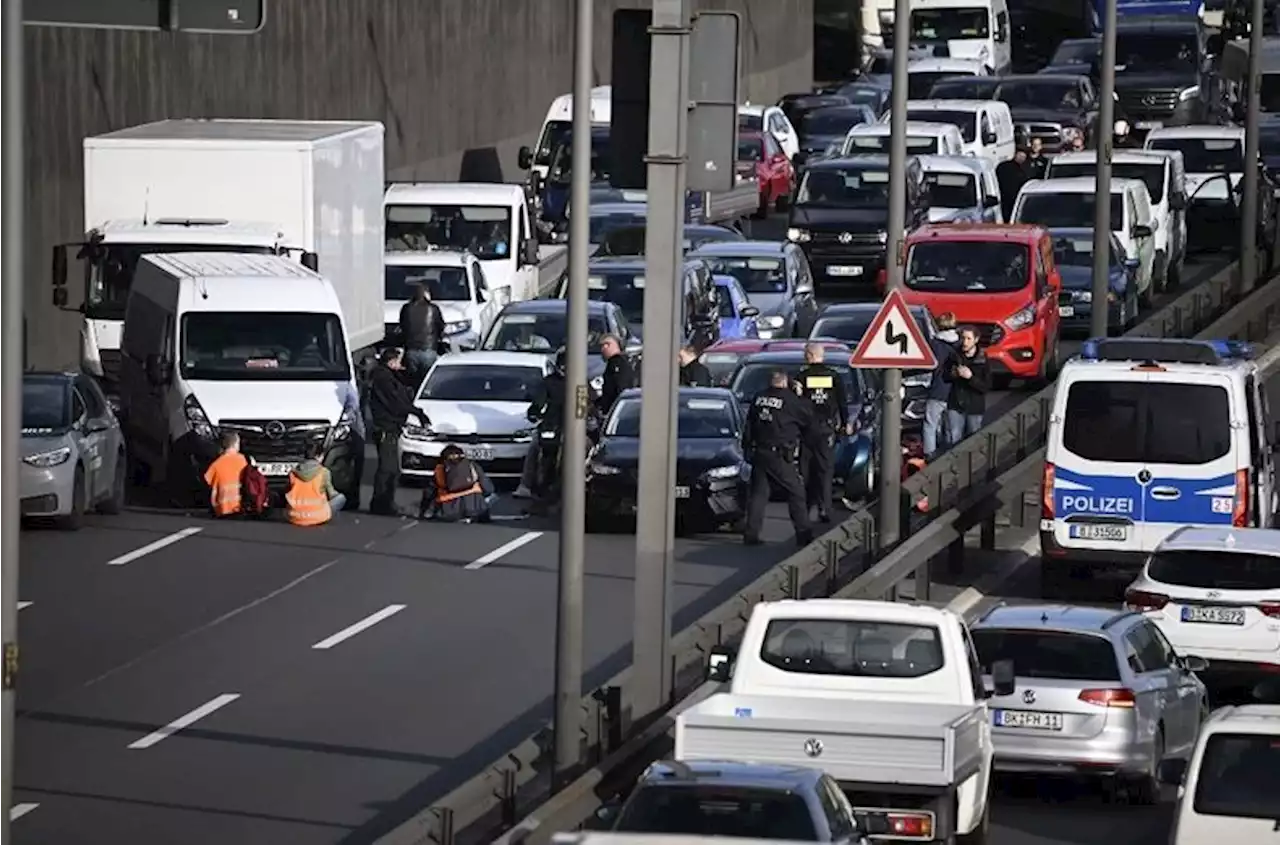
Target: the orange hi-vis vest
pixel 308 504
pixel 223 478
pixel 442 487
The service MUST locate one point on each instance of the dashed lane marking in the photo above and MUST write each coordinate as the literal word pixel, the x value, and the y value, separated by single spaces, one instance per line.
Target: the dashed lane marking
pixel 23 605
pixel 17 811
pixel 504 550
pixel 184 721
pixel 363 625
pixel 163 542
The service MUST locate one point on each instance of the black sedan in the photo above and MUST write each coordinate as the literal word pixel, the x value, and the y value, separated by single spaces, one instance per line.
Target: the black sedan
pixel 711 471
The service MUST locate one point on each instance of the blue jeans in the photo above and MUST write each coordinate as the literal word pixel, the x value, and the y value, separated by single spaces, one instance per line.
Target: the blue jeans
pixel 962 425
pixel 420 360
pixel 337 503
pixel 935 415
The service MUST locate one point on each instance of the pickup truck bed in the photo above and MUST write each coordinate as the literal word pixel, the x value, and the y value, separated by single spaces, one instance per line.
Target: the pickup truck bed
pixel 868 742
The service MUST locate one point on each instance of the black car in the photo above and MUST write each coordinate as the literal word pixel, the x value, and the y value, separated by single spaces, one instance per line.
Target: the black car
pixel 1215 213
pixel 711 469
pixel 1162 73
pixel 1055 108
pixel 863 92
pixel 796 106
pixel 630 240
pixel 1076 56
pixel 841 219
pixel 824 127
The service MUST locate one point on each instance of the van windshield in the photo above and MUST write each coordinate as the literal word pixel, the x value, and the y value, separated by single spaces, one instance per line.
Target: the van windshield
pixel 482 229
pixel 1240 776
pixel 865 144
pixel 262 346
pixel 1066 211
pixel 920 82
pixel 1216 570
pixel 1045 94
pixel 952 190
pixel 950 24
pixel 1151 175
pixel 965 121
pixel 851 187
pixel 1147 422
pixel 968 266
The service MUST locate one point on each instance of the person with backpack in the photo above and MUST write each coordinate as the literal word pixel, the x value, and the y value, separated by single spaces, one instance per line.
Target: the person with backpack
pixel 459 490
pixel 312 498
pixel 224 477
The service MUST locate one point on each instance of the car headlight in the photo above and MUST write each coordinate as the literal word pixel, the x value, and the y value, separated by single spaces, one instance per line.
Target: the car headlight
pixel 883 237
pixel 597 384
pixel 773 321
pixel 724 472
pixel 799 236
pixel 1121 127
pixel 604 469
pixel 197 419
pixel 346 422
pixel 1085 296
pixel 1021 318
pixel 457 327
pixel 524 434
pixel 413 431
pixel 52 458
pixel 918 380
pixel 1189 93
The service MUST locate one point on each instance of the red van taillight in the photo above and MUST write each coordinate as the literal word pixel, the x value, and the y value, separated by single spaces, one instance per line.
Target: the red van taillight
pixel 1046 492
pixel 1240 516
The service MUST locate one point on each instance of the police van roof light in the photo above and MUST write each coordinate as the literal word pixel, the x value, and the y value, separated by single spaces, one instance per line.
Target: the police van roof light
pixel 1149 351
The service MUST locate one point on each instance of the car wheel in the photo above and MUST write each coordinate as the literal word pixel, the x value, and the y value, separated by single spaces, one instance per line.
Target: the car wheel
pixel 114 503
pixel 74 520
pixel 1144 790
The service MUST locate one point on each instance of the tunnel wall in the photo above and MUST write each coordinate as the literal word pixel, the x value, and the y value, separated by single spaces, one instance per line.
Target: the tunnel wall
pixel 460 85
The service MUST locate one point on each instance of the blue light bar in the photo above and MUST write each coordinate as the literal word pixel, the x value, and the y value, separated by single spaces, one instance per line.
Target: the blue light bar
pixel 1167 350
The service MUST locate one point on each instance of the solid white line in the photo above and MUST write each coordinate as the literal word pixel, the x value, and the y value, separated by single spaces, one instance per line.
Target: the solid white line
pixel 23 605
pixel 17 811
pixel 363 625
pixel 185 721
pixel 972 596
pixel 175 537
pixel 504 550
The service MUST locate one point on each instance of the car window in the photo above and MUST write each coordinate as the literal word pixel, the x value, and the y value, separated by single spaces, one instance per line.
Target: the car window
pixel 94 402
pixel 837 818
pixel 78 407
pixel 1150 656
pixel 852 647
pixel 1147 422
pixel 1216 570
pixel 712 810
pixel 1048 655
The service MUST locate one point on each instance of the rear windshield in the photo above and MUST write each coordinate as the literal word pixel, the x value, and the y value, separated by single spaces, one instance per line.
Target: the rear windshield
pixel 1050 655
pixel 843 647
pixel 1216 570
pixel 1066 211
pixel 1151 175
pixel 1136 422
pixel 707 810
pixel 1240 776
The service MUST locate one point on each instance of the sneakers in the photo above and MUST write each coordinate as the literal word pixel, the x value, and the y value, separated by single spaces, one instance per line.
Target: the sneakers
pixel 523 492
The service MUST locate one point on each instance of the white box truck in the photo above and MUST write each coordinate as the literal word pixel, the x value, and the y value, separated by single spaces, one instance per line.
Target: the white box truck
pixel 308 189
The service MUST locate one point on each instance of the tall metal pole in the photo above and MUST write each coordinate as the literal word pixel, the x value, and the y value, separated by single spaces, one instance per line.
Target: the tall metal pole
pixel 11 283
pixel 1249 204
pixel 664 238
pixel 895 246
pixel 569 637
pixel 1103 133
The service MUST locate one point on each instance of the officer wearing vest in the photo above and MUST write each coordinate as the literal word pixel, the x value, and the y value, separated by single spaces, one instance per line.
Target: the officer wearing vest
pixel 223 477
pixel 824 388
pixel 459 490
pixel 776 423
pixel 312 498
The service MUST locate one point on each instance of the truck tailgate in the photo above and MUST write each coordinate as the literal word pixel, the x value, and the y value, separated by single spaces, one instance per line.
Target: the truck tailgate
pixel 899 742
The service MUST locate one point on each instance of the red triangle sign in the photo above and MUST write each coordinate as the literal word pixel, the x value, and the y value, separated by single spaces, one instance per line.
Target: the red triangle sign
pixel 893 340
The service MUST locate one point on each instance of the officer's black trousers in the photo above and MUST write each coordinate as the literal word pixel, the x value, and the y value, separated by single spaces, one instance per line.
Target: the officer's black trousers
pixel 387 477
pixel 818 464
pixel 771 469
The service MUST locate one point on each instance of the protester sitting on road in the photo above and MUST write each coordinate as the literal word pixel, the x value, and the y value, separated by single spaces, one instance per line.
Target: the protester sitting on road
pixel 312 498
pixel 459 490
pixel 223 477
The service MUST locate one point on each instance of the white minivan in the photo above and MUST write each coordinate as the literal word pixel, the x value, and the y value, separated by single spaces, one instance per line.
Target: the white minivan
pixel 985 125
pixel 922 139
pixel 558 125
pixel 966 29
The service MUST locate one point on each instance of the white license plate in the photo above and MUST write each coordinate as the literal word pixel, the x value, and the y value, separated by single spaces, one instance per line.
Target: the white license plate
pixel 1027 719
pixel 479 453
pixel 1150 124
pixel 682 492
pixel 841 270
pixel 1214 615
pixel 1066 311
pixel 1111 533
pixel 276 469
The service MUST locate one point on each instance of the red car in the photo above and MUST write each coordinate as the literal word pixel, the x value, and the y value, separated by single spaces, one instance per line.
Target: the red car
pixel 760 155
pixel 723 356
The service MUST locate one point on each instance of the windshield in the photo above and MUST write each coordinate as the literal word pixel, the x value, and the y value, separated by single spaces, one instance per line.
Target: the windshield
pixel 863 95
pixel 1048 655
pixel 109 279
pixel 554 134
pixel 255 345
pixel 834 121
pixel 1083 53
pixel 858 187
pixel 852 647
pixel 601 224
pixel 1210 570
pixel 916 144
pixel 1154 51
pixel 481 229
pixel 964 88
pixel 1206 155
pixel 721 365
pixel 751 123
pixel 751 379
pixel 1078 252
pixel 1044 95
pixel 1240 776
pixel 1269 140
pixel 942 266
pixel 756 275
pixel 1269 92
pixel 952 190
pixel 540 332
pixel 965 121
pixel 1147 422
pixel 444 284
pixel 847 327
pixel 1151 175
pixel 699 419
pixel 624 289
pixel 1066 211
pixel 718 811
pixel 560 168
pixel 481 383
pixel 45 406
pixel 920 82
pixel 950 24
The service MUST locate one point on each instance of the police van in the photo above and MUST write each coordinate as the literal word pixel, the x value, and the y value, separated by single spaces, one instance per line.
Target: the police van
pixel 1148 435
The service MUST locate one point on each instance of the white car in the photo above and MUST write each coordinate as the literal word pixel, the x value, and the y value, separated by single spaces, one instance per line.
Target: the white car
pixel 773 120
pixel 479 401
pixel 454 280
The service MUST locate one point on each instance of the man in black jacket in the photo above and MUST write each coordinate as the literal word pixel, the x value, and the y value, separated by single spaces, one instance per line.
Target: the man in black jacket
pixel 824 388
pixel 1011 175
pixel 390 403
pixel 693 373
pixel 970 379
pixel 619 375
pixel 421 330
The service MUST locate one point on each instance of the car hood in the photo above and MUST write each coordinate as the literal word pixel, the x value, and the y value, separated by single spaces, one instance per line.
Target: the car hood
pixel 270 400
pixel 829 219
pixel 35 444
pixel 624 452
pixel 499 418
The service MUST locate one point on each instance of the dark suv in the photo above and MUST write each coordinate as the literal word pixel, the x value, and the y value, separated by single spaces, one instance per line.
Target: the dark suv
pixel 1162 74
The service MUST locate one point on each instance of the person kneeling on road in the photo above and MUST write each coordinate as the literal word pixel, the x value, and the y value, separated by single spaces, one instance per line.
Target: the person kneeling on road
pixel 459 490
pixel 312 498
pixel 223 477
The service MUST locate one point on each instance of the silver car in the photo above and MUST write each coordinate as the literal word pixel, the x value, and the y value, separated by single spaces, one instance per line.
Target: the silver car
pixel 1098 692
pixel 73 454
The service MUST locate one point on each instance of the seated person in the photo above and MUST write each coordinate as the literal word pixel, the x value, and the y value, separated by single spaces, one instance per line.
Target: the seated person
pixel 223 477
pixel 312 498
pixel 459 490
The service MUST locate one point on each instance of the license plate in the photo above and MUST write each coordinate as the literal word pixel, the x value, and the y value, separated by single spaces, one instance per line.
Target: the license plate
pixel 1214 615
pixel 1027 719
pixel 841 270
pixel 276 469
pixel 1149 124
pixel 682 492
pixel 481 453
pixel 1111 533
pixel 1066 311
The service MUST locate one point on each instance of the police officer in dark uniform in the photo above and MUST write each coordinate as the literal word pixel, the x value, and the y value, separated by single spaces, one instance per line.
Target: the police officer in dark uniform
pixel 693 373
pixel 777 422
pixel 823 387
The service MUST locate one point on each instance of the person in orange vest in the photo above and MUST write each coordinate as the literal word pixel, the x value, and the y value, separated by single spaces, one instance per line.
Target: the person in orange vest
pixel 312 498
pixel 223 477
pixel 459 490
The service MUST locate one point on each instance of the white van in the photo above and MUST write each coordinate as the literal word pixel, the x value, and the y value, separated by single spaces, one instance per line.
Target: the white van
pixel 966 29
pixel 985 125
pixel 558 125
pixel 454 280
pixel 922 139
pixel 1161 172
pixel 962 189
pixel 1069 203
pixel 1207 151
pixel 922 73
pixel 1146 436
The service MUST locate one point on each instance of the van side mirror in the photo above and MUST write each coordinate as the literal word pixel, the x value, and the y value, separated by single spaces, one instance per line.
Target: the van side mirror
pixel 605 817
pixel 749 311
pixel 1172 771
pixel 58 271
pixel 311 261
pixel 719 664
pixel 157 370
pixel 525 158
pixel 989 201
pixel 989 137
pixel 1003 680
pixel 531 252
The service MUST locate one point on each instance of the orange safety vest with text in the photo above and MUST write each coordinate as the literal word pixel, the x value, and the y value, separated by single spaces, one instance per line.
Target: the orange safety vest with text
pixel 442 487
pixel 308 504
pixel 223 478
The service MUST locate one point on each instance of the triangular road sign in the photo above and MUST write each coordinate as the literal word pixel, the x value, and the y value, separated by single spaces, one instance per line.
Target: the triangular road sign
pixel 894 340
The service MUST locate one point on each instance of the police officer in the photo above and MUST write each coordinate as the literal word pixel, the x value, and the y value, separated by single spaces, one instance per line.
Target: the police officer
pixel 777 422
pixel 547 411
pixel 693 373
pixel 824 388
pixel 390 404
pixel 619 375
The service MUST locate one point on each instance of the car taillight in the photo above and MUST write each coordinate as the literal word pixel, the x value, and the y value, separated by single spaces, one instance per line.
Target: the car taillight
pixel 1240 516
pixel 1143 601
pixel 882 280
pixel 1108 697
pixel 1046 492
pixel 910 824
pixel 1270 608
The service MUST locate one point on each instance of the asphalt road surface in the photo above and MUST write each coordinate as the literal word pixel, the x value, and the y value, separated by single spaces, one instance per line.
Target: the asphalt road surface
pixel 187 681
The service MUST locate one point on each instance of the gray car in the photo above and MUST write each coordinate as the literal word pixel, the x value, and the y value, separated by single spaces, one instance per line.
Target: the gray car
pixel 73 453
pixel 776 278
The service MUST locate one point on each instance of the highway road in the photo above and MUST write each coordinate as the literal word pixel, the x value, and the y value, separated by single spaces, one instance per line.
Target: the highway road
pixel 197 682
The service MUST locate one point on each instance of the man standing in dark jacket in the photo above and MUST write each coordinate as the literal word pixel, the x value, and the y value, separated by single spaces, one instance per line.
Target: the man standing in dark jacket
pixel 970 381
pixel 945 344
pixel 824 388
pixel 618 373
pixel 390 404
pixel 693 373
pixel 1011 175
pixel 422 329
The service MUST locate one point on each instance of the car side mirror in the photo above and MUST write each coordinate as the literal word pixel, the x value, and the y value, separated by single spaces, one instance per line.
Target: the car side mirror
pixel 606 816
pixel 1003 679
pixel 1215 44
pixel 1192 663
pixel 720 664
pixel 990 202
pixel 1141 231
pixel 1173 771
pixel 525 158
pixel 798 160
pixel 157 370
pixel 58 271
pixel 96 426
pixel 748 311
pixel 311 261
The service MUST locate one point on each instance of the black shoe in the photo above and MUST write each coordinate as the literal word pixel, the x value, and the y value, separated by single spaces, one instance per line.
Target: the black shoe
pixel 824 517
pixel 804 538
pixel 752 541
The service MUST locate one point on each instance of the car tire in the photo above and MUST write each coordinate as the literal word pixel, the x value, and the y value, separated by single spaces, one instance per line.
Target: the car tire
pixel 1144 789
pixel 74 520
pixel 114 503
pixel 782 203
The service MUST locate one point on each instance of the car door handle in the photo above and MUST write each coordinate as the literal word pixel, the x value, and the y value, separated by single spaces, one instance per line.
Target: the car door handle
pixel 1165 494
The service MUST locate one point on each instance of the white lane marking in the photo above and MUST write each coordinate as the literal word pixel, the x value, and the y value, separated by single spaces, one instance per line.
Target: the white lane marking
pixel 363 625
pixel 175 537
pixel 185 721
pixel 23 605
pixel 17 811
pixel 970 598
pixel 504 550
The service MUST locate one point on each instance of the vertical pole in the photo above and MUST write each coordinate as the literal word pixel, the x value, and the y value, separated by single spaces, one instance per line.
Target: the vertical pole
pixel 1103 133
pixel 895 254
pixel 569 644
pixel 664 238
pixel 11 284
pixel 1249 202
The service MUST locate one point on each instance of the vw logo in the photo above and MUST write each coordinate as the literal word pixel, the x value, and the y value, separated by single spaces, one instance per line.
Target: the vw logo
pixel 1029 696
pixel 275 430
pixel 1144 477
pixel 812 747
pixel 1213 594
pixel 845 238
pixel 1150 99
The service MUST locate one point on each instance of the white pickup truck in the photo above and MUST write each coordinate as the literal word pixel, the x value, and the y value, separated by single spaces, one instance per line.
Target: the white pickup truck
pixel 887 698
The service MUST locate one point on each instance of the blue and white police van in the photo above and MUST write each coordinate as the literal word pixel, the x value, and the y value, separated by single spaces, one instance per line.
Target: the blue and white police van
pixel 1148 435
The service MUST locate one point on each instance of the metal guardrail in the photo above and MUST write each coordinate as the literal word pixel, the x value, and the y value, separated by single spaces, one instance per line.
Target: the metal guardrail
pixel 964 488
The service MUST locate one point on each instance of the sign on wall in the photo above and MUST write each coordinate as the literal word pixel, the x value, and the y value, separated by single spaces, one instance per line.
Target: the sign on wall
pixel 216 16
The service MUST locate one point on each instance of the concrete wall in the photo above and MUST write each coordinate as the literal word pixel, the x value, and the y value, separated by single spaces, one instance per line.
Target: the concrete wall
pixel 460 85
